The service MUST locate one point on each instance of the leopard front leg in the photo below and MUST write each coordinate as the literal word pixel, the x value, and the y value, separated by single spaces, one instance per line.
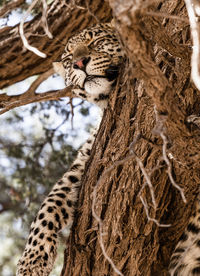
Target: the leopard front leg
pixel 55 214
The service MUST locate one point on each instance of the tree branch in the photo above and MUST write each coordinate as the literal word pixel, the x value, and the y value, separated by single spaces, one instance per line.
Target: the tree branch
pixel 194 26
pixel 9 102
pixel 21 32
pixel 10 6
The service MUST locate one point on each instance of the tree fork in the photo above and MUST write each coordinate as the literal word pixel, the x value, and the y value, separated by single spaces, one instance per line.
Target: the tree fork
pixel 138 246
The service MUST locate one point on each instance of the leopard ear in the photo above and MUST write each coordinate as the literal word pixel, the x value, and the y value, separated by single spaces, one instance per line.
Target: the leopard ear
pixel 112 23
pixel 59 69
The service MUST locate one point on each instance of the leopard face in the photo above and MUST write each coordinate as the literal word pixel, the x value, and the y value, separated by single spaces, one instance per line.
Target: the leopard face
pixel 91 61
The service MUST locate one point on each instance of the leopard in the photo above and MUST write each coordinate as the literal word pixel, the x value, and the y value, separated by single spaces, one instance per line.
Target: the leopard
pixel 90 65
pixel 185 260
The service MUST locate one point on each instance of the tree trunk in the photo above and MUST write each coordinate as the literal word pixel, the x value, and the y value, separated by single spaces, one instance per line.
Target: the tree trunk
pixel 144 138
pixel 144 127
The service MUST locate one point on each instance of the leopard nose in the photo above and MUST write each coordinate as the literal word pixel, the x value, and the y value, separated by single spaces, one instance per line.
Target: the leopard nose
pixel 81 63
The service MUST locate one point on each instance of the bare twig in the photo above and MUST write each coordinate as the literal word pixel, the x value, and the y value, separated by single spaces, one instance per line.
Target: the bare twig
pixel 33 87
pixel 194 119
pixel 148 180
pixel 10 102
pixel 160 131
pixel 102 178
pixel 21 32
pixel 77 6
pixel 44 19
pixel 196 47
pixel 145 174
pixel 169 166
pixel 98 219
pixel 165 15
pixel 72 4
pixel 146 208
pixel 100 223
pixel 39 80
pixel 91 13
pixel 72 112
pixel 101 234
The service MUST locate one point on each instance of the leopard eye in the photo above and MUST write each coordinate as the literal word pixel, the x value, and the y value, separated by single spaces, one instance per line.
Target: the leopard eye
pixel 86 60
pixel 68 48
pixel 90 34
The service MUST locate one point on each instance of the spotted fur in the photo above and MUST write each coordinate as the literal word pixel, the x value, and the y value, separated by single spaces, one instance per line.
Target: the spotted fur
pixel 100 49
pixel 90 62
pixel 55 214
pixel 185 260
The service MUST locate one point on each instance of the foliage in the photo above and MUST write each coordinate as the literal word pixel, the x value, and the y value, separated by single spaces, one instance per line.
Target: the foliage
pixel 35 151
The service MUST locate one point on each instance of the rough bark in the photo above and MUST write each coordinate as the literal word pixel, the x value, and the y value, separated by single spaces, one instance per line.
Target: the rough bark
pixel 156 74
pixel 158 56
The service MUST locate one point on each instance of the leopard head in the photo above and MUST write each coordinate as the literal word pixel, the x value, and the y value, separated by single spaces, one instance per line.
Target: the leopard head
pixel 91 61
